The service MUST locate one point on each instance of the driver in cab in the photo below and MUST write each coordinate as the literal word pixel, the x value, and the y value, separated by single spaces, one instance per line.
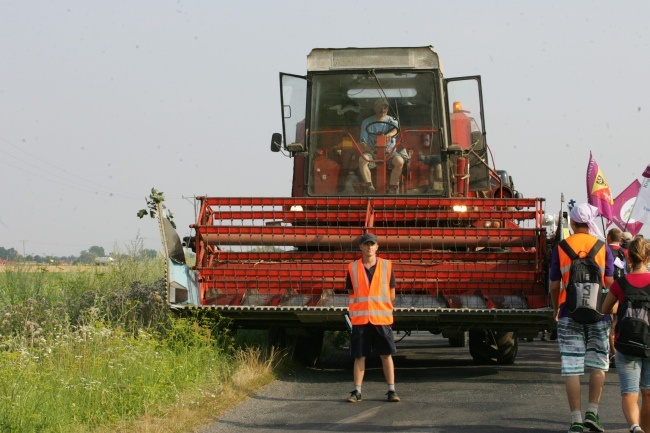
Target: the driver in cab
pixel 380 124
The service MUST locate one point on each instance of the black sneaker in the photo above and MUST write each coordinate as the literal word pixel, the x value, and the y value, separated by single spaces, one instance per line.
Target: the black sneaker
pixel 355 397
pixel 592 421
pixel 576 427
pixel 392 396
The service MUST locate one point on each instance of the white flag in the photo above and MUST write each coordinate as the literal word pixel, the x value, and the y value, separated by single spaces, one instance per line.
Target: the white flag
pixel 641 211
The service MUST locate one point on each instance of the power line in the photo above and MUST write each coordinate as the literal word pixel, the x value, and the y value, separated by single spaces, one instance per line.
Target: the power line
pixel 123 194
pixel 109 194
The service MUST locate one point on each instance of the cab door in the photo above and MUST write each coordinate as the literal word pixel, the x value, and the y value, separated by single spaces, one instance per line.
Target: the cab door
pixel 293 99
pixel 464 101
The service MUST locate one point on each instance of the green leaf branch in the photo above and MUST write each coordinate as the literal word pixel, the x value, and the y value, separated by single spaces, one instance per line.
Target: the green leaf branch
pixel 154 203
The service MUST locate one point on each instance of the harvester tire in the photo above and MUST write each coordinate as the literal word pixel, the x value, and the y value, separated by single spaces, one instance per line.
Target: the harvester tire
pixel 307 349
pixel 459 340
pixel 304 349
pixel 277 339
pixel 493 347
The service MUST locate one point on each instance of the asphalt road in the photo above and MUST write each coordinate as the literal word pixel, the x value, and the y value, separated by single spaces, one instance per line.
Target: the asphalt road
pixel 441 391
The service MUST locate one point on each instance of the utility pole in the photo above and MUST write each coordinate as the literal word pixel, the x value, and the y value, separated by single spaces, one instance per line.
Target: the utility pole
pixel 23 241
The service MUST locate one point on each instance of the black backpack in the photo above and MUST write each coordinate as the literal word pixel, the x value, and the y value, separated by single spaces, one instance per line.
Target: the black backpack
pixel 618 272
pixel 632 334
pixel 584 292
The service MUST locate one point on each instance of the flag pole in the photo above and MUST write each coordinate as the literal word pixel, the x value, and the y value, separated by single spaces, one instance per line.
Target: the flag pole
pixel 628 219
pixel 629 215
pixel 559 231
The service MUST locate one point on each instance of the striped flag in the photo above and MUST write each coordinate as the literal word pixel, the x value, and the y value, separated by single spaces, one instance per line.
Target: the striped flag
pixel 598 192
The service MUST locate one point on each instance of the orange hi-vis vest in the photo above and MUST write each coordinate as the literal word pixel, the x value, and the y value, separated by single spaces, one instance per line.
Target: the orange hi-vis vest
pixel 581 243
pixel 370 300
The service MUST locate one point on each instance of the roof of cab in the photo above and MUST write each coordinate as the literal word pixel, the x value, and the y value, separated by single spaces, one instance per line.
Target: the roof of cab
pixel 328 59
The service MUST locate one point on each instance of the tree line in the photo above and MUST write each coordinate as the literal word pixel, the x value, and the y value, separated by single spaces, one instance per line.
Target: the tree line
pixel 85 257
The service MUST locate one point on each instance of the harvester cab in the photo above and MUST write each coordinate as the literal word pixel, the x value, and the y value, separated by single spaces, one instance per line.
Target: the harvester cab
pixel 467 249
pixel 329 118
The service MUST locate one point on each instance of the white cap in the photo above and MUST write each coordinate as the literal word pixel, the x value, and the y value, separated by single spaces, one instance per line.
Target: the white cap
pixel 586 214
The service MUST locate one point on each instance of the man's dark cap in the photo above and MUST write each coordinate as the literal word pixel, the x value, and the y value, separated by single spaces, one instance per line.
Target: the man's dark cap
pixel 368 237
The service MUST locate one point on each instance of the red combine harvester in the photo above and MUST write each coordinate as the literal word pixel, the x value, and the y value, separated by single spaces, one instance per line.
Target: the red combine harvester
pixel 469 252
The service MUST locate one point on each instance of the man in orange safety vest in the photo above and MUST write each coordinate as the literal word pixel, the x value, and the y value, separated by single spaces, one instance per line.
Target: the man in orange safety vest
pixel 371 284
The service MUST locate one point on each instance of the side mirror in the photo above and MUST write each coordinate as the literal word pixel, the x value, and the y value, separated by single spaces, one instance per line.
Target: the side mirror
pixel 276 142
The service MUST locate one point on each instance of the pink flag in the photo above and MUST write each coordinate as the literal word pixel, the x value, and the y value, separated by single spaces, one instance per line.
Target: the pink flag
pixel 641 211
pixel 623 205
pixel 598 192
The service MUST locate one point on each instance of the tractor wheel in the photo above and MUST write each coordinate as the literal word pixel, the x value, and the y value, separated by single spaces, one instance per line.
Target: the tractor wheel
pixel 493 347
pixel 277 339
pixel 459 340
pixel 305 347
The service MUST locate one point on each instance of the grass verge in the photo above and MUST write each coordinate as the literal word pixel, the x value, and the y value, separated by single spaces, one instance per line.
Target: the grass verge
pixel 98 351
pixel 199 406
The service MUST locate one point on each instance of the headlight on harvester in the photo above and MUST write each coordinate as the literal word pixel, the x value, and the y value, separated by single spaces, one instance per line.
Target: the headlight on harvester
pixel 492 224
pixel 460 208
pixel 295 208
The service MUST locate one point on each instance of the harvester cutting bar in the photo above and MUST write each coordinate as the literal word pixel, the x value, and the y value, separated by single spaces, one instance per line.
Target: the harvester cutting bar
pixel 356 216
pixel 294 251
pixel 317 287
pixel 330 211
pixel 409 270
pixel 378 203
pixel 414 257
pixel 388 237
pixel 337 223
pixel 303 277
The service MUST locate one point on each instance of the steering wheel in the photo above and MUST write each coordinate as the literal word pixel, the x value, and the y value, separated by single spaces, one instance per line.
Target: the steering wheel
pixel 375 134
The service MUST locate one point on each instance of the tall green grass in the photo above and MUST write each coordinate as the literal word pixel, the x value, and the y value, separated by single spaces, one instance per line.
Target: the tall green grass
pixel 92 348
pixel 94 375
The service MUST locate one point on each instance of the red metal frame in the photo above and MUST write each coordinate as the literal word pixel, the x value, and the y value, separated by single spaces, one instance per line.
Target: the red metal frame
pixel 259 247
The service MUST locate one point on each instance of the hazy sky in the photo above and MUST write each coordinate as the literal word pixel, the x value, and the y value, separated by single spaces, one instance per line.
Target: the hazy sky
pixel 101 101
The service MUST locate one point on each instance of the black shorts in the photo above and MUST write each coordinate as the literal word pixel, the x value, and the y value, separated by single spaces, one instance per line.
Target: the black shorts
pixel 367 340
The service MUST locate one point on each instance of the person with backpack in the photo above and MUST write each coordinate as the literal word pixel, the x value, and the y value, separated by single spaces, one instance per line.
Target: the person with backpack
pixel 614 239
pixel 626 238
pixel 581 271
pixel 632 294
